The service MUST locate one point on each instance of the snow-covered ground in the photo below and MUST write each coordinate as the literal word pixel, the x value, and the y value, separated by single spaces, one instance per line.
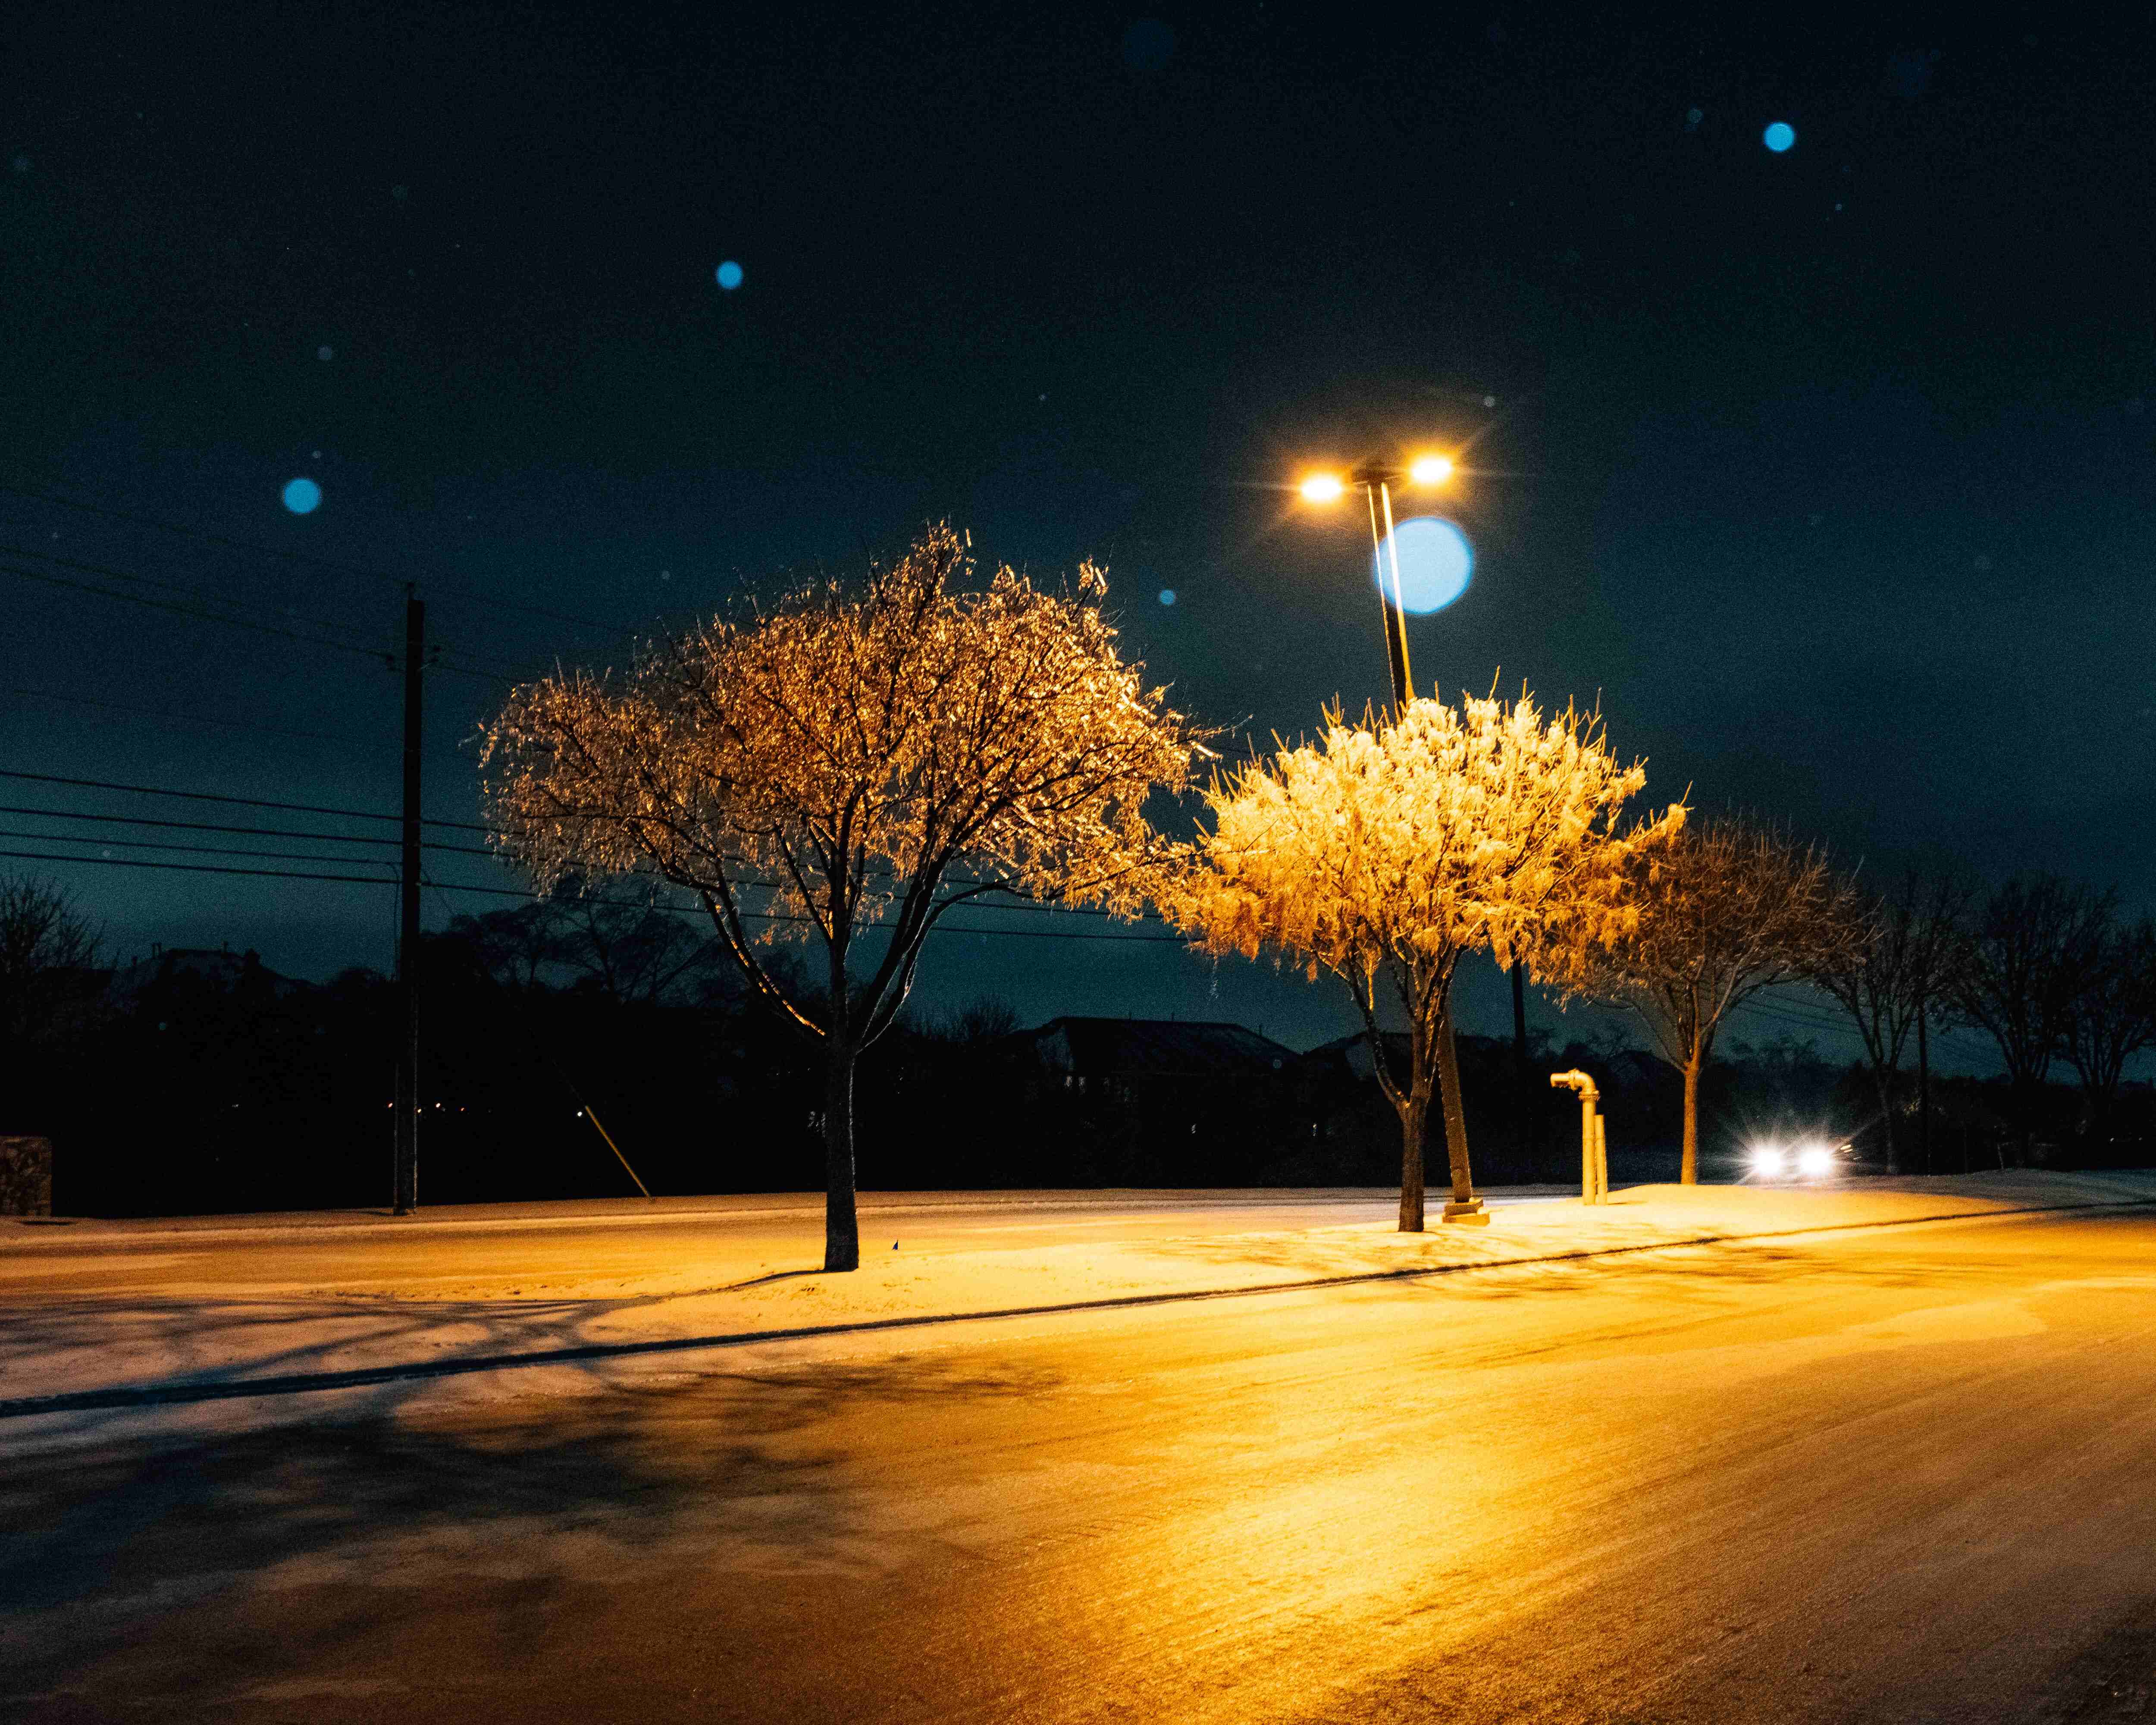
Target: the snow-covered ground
pixel 157 1324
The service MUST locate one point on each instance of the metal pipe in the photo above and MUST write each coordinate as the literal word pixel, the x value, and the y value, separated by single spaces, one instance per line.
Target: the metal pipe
pixel 1579 1081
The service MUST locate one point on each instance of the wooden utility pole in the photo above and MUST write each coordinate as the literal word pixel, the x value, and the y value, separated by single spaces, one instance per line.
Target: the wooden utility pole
pixel 1525 1137
pixel 1923 1086
pixel 404 1176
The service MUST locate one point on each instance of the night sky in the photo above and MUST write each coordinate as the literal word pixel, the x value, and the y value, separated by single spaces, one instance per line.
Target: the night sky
pixel 1827 470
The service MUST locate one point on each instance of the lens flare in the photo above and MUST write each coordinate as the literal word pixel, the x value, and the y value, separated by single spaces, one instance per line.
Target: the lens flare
pixel 1435 563
pixel 1779 136
pixel 303 496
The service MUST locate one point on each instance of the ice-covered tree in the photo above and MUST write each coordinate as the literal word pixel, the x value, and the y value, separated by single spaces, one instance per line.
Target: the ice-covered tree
pixel 846 766
pixel 1718 911
pixel 1386 850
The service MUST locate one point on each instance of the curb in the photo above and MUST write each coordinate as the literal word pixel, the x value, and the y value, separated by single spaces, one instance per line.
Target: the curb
pixel 360 1377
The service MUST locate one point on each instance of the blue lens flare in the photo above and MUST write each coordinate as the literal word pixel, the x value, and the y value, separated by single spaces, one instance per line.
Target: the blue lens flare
pixel 729 275
pixel 1167 595
pixel 303 496
pixel 1435 563
pixel 1778 137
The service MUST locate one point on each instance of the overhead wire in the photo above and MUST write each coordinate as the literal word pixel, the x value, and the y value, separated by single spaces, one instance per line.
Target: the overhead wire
pixel 311 559
pixel 150 712
pixel 203 826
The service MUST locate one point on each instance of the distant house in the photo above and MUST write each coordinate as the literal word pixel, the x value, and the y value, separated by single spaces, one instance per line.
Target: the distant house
pixel 217 970
pixel 1356 1131
pixel 1163 1101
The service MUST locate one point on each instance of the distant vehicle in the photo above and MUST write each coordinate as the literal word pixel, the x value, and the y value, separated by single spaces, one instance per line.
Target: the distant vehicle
pixel 1801 1159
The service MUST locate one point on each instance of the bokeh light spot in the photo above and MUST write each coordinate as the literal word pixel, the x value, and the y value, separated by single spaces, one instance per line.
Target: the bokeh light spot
pixel 303 496
pixel 1167 595
pixel 1778 137
pixel 1435 563
pixel 326 354
pixel 729 275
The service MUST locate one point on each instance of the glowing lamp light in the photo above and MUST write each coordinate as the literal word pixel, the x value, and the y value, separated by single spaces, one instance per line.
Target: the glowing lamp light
pixel 1766 1161
pixel 1322 488
pixel 1430 470
pixel 1815 1161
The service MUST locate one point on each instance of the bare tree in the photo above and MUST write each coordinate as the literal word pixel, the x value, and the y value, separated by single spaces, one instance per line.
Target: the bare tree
pixel 1723 910
pixel 516 947
pixel 1900 965
pixel 1387 849
pixel 639 954
pixel 2034 944
pixel 847 768
pixel 2111 1016
pixel 47 952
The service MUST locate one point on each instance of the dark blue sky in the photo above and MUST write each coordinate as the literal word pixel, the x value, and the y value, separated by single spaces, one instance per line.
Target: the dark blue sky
pixel 1828 471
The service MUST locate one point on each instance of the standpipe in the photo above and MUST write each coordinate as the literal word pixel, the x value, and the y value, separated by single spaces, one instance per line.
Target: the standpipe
pixel 1594 1181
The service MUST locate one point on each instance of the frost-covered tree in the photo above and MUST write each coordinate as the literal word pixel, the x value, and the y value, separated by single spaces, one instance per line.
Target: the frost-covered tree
pixel 1385 850
pixel 846 766
pixel 1719 910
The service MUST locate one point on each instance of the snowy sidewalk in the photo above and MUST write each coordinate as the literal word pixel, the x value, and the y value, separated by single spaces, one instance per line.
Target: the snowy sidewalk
pixel 563 1312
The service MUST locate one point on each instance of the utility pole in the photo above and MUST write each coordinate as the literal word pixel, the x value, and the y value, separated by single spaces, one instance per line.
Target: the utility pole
pixel 1525 1136
pixel 405 1174
pixel 1924 1086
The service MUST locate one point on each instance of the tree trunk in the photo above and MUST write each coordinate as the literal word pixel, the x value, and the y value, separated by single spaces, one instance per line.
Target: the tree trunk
pixel 1414 1122
pixel 842 1233
pixel 1690 1173
pixel 1456 1116
pixel 1886 1086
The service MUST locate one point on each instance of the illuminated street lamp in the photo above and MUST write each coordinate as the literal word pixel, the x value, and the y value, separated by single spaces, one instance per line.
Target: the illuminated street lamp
pixel 1377 479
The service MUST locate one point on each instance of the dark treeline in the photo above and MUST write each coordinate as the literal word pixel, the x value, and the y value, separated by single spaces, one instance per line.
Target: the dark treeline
pixel 196 1082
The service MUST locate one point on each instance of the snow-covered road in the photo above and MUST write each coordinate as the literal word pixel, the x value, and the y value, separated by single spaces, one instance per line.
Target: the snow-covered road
pixel 1874 1474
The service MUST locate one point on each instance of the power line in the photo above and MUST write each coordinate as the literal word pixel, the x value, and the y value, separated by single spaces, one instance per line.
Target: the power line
pixel 1069 934
pixel 136 862
pixel 170 607
pixel 186 850
pixel 298 556
pixel 455 825
pixel 203 826
pixel 474 669
pixel 149 712
pixel 151 790
pixel 106 572
pixel 1052 934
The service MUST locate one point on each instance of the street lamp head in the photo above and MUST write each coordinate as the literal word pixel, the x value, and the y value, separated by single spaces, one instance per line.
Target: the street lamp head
pixel 1431 469
pixel 1322 488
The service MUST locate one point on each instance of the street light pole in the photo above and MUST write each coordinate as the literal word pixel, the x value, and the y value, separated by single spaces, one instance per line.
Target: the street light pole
pixel 1378 492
